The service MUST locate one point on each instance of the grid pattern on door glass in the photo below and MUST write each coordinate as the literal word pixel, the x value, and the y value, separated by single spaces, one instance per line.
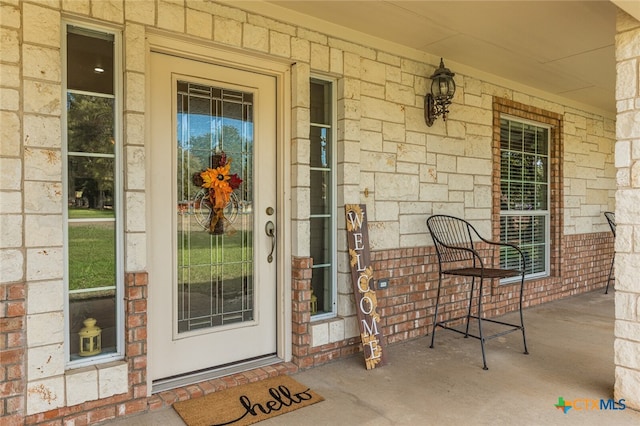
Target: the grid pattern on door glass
pixel 524 194
pixel 215 284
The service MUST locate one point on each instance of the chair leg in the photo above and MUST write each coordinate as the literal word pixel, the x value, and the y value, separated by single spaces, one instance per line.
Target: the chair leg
pixel 435 315
pixel 524 337
pixel 473 282
pixel 484 357
pixel 606 291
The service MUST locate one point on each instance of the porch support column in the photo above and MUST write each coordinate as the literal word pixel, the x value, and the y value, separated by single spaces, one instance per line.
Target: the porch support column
pixel 627 161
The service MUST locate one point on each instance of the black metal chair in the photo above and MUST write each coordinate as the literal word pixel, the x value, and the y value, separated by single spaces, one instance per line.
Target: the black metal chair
pixel 457 255
pixel 611 218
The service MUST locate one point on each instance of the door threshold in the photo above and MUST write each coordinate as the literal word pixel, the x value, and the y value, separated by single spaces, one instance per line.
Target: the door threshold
pixel 187 379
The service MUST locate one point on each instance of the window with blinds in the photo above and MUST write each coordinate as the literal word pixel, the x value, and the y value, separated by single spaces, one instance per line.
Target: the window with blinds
pixel 524 194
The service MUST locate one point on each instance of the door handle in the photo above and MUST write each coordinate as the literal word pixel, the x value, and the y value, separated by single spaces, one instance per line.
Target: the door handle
pixel 270 230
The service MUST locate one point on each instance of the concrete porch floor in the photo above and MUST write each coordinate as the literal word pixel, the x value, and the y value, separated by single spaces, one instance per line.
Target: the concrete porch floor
pixel 571 356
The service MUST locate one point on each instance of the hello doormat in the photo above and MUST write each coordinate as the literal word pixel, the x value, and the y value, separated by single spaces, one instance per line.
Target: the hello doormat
pixel 247 404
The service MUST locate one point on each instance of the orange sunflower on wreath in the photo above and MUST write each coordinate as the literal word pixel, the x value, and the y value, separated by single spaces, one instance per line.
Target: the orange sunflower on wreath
pixel 219 184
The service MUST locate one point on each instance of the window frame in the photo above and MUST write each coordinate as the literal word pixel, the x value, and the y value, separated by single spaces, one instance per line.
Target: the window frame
pixel 556 190
pixel 333 196
pixel 118 193
pixel 544 213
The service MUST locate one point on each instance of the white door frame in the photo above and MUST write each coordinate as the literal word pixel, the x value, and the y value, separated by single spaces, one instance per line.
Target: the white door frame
pixel 280 70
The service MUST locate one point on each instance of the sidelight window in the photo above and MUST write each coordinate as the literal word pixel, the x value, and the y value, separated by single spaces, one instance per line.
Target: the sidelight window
pixel 322 199
pixel 93 247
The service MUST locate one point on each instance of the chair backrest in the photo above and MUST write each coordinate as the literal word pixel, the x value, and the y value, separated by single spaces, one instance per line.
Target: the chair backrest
pixel 452 238
pixel 611 218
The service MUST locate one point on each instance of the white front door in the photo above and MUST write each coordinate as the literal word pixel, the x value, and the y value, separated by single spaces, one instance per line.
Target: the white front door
pixel 212 273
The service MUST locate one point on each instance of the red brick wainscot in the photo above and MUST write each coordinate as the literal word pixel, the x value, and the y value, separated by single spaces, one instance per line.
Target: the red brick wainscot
pixel 406 310
pixel 132 402
pixel 12 353
pixel 406 305
pixel 136 400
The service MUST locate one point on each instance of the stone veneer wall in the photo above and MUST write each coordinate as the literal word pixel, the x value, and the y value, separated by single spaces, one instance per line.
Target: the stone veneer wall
pixel 387 159
pixel 627 160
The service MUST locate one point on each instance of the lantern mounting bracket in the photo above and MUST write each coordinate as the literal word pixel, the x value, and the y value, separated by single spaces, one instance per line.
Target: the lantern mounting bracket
pixel 429 110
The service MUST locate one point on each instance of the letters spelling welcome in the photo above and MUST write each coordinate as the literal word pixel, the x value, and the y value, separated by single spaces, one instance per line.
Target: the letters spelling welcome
pixel 361 275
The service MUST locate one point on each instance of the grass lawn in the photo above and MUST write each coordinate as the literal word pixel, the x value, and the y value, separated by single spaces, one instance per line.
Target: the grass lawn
pixel 92 253
pixel 202 257
pixel 84 213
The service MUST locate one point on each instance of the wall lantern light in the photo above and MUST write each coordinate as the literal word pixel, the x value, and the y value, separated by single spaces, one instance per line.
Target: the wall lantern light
pixel 442 90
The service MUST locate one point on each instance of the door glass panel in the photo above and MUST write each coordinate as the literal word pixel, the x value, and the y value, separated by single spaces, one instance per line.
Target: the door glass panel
pixel 215 235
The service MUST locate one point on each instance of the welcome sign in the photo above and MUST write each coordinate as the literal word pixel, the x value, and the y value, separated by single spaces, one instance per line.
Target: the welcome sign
pixel 362 279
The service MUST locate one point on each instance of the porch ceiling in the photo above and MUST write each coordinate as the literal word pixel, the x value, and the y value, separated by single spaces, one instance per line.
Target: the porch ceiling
pixel 562 47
